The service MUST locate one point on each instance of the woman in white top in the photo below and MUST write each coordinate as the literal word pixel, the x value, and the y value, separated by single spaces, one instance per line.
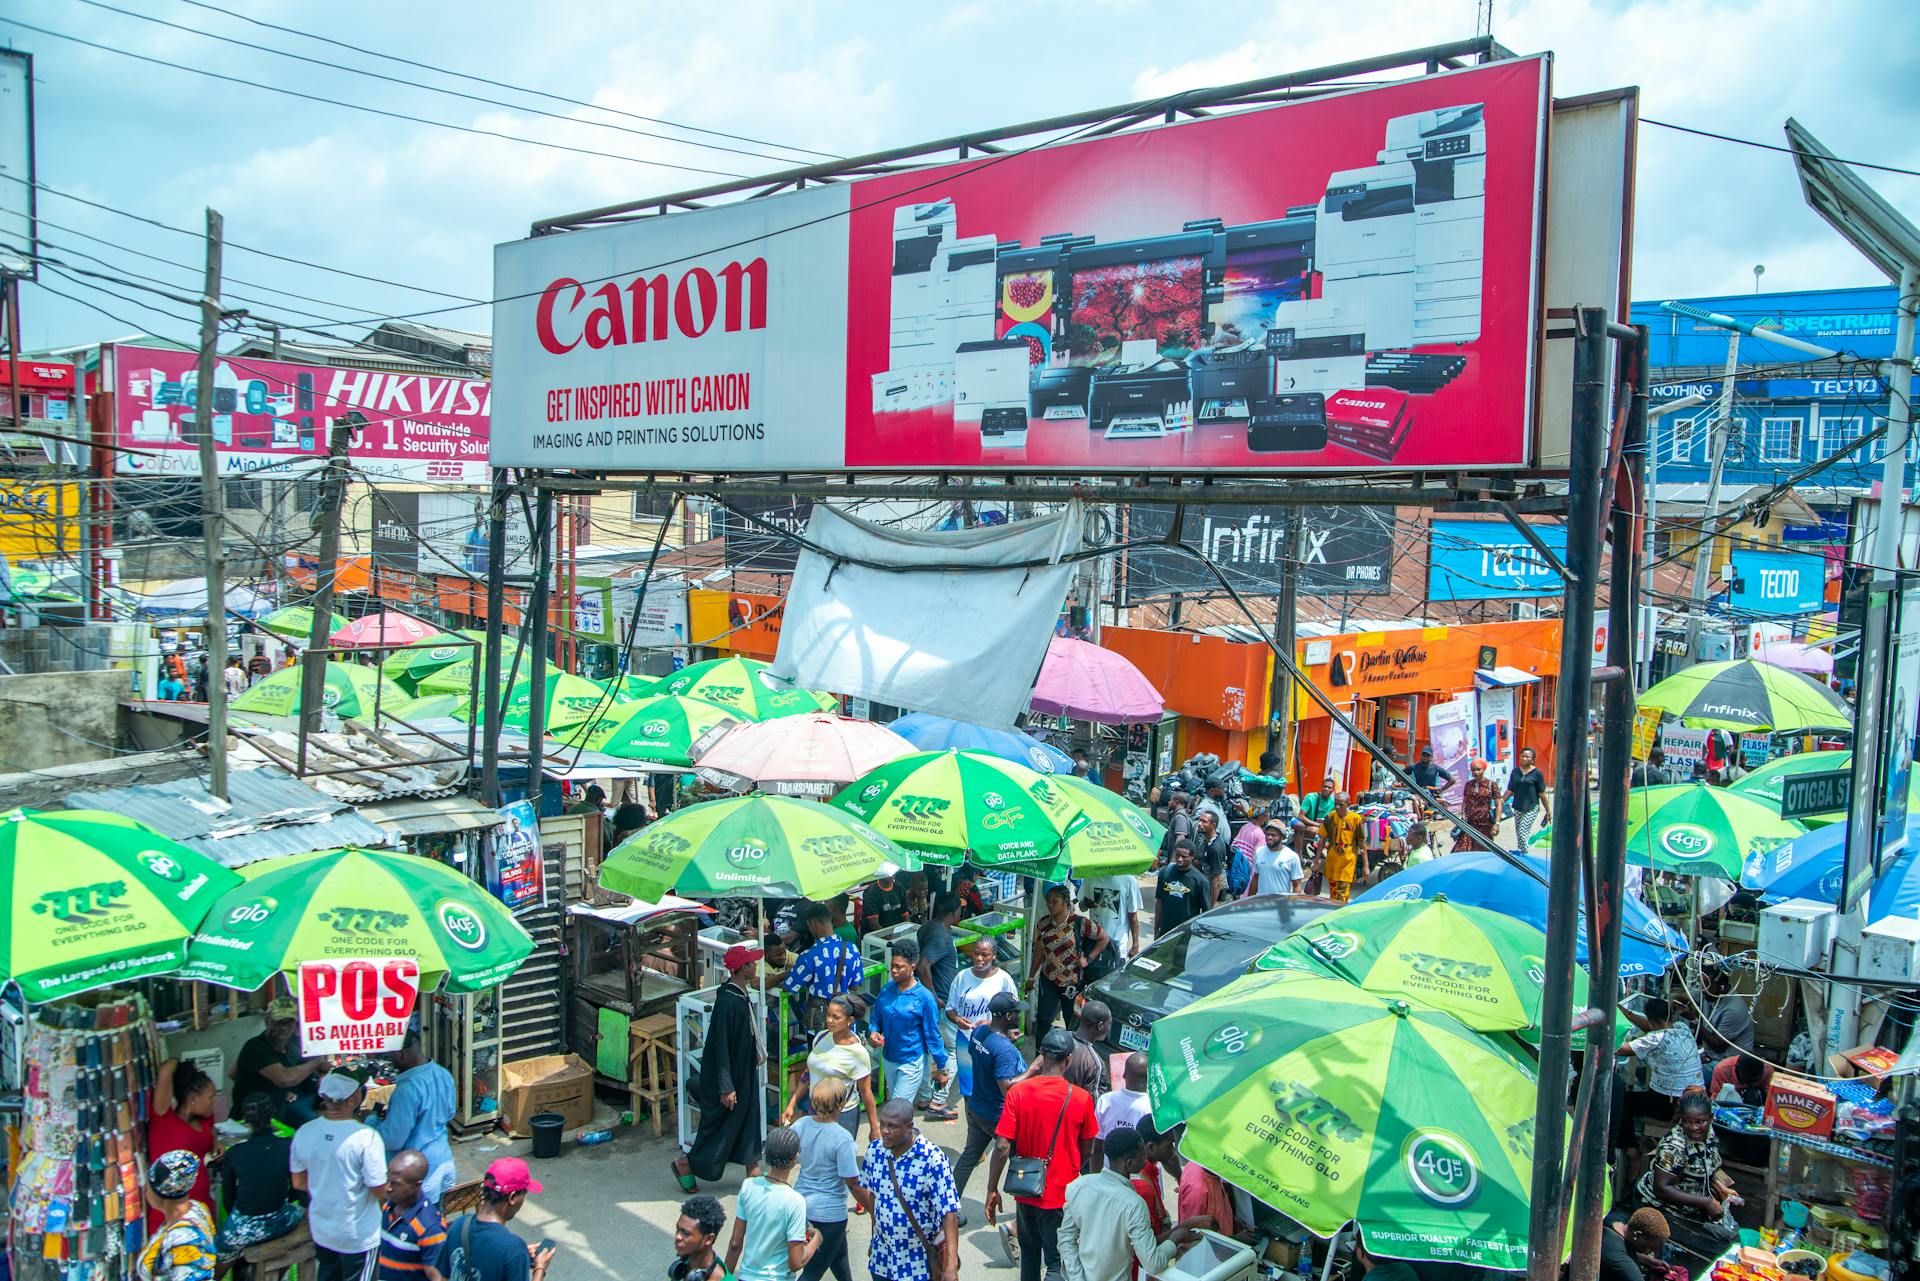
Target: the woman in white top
pixel 838 1054
pixel 967 1000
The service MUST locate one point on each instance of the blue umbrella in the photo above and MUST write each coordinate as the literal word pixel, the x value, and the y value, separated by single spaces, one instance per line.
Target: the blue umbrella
pixel 937 734
pixel 1477 878
pixel 1809 867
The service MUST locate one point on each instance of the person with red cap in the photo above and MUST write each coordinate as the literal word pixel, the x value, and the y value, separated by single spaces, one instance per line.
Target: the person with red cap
pixel 480 1246
pixel 727 1090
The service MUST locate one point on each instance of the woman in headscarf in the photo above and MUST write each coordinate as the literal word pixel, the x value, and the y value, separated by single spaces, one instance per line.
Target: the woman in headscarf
pixel 1479 805
pixel 181 1248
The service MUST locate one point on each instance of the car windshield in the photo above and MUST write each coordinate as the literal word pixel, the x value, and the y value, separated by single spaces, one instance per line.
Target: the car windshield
pixel 1200 957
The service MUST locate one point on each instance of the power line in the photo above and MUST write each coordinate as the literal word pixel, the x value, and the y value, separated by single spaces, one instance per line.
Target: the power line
pixel 1771 146
pixel 501 84
pixel 357 106
pixel 453 93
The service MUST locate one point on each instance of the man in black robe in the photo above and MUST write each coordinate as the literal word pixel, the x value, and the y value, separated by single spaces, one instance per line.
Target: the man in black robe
pixel 728 1090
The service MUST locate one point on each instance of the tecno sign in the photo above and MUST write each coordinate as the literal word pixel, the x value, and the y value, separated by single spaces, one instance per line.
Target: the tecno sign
pixel 639 311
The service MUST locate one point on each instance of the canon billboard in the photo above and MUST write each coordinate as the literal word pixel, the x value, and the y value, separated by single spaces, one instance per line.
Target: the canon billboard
pixel 1349 282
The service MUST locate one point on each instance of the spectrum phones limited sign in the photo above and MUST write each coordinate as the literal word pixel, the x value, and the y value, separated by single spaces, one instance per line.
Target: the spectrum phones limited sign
pixel 1342 283
pixel 356 1007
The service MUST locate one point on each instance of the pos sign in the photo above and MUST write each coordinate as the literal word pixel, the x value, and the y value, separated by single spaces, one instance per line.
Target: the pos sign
pixel 357 1007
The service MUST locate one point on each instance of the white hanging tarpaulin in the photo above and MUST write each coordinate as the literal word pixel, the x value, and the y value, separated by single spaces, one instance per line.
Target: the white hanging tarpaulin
pixel 957 624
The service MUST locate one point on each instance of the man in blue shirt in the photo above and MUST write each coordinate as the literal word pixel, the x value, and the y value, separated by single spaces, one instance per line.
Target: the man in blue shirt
pixel 906 1027
pixel 830 965
pixel 412 1237
pixel 997 1064
pixel 417 1114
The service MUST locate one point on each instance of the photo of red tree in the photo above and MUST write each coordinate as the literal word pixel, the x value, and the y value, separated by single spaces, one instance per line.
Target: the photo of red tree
pixel 1127 301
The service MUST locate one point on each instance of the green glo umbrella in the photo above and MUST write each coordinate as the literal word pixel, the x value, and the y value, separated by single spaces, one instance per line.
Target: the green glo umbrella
pixel 1334 1105
pixel 408 667
pixel 457 677
pixel 295 622
pixel 667 729
pixel 633 687
pixel 1118 838
pixel 1692 829
pixel 766 846
pixel 1747 695
pixel 431 707
pixel 96 899
pixel 1482 967
pixel 741 684
pixel 348 903
pixel 953 806
pixel 570 700
pixel 350 690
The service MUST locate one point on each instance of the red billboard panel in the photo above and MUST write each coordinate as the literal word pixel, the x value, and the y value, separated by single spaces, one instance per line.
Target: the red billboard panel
pixel 1346 283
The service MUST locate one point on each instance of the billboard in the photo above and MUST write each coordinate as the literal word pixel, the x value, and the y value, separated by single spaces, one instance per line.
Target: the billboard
pixel 1859 321
pixel 1489 560
pixel 393 536
pixel 451 534
pixel 1774 583
pixel 272 418
pixel 39 518
pixel 19 228
pixel 1345 282
pixel 1344 550
pixel 752 546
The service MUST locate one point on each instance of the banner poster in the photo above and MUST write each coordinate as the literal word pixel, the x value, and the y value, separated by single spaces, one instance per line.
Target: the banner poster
pixel 517 876
pixel 1339 748
pixel 1450 731
pixel 1685 748
pixel 1646 731
pixel 1497 733
pixel 358 1006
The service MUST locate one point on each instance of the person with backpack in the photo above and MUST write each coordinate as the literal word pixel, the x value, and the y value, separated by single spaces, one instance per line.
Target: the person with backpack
pixel 1062 942
pixel 480 1246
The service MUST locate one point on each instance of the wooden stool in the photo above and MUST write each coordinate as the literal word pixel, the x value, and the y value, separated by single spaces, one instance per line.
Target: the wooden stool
pixel 652 1074
pixel 273 1260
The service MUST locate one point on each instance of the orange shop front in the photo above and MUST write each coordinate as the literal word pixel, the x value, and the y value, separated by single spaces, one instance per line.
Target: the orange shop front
pixel 1218 688
pixel 1388 682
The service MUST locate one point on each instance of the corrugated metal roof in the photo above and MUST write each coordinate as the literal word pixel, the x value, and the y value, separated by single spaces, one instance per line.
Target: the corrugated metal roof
pixel 434 814
pixel 268 814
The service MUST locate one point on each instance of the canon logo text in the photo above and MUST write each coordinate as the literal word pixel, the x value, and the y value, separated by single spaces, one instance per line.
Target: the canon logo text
pixel 615 315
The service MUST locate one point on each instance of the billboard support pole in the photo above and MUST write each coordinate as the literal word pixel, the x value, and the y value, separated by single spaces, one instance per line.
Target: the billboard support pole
pixel 212 518
pixel 1717 437
pixel 313 663
pixel 537 600
pixel 495 609
pixel 1575 695
pixel 1286 631
pixel 1609 857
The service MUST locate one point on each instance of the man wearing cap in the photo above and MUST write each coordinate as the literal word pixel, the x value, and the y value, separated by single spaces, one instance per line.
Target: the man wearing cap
pixel 270 1063
pixel 342 1167
pixel 1276 864
pixel 480 1246
pixel 728 1090
pixel 883 904
pixel 997 1064
pixel 1104 1226
pixel 1047 1118
pixel 417 1113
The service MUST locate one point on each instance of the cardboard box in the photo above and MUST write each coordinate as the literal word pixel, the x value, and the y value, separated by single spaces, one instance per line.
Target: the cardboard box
pixel 1800 1107
pixel 560 1083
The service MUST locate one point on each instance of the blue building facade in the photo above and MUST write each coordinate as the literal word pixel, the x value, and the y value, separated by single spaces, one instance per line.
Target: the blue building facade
pixel 1789 411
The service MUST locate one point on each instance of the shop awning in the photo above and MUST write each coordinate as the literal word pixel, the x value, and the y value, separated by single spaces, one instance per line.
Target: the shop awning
pixel 425 817
pixel 632 913
pixel 1501 677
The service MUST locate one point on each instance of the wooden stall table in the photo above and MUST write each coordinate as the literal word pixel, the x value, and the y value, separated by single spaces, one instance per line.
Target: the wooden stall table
pixel 652 1066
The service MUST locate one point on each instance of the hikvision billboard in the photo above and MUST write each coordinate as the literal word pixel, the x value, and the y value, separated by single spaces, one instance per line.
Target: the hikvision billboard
pixel 272 418
pixel 1343 283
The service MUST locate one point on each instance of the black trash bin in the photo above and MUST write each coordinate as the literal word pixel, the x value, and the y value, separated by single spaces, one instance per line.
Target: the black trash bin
pixel 546 1128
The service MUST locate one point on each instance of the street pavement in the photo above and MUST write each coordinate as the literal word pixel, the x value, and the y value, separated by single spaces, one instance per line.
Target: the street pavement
pixel 610 1207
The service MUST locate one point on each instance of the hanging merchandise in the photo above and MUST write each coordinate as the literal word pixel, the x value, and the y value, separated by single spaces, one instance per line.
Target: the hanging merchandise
pixel 78 1213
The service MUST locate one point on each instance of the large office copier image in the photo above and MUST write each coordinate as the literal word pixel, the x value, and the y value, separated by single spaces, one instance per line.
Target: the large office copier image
pixel 1321 326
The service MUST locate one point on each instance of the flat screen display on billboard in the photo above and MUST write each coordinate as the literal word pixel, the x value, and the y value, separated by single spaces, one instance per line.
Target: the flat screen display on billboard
pixel 1344 283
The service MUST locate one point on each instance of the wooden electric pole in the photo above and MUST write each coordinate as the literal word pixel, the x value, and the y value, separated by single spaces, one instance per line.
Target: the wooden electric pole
pixel 313 663
pixel 212 518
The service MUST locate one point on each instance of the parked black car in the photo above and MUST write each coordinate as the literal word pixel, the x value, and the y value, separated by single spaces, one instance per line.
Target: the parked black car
pixel 1196 959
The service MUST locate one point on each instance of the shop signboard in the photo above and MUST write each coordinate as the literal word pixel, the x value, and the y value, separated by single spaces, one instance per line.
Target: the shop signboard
pixel 452 536
pixel 358 1006
pixel 1343 550
pixel 1684 747
pixel 395 534
pixel 750 544
pixel 1490 560
pixel 592 610
pixel 1450 727
pixel 38 518
pixel 743 622
pixel 1646 731
pixel 272 419
pixel 1858 321
pixel 1339 748
pixel 1498 732
pixel 1755 749
pixel 517 875
pixel 663 614
pixel 1903 720
pixel 1777 583
pixel 1348 282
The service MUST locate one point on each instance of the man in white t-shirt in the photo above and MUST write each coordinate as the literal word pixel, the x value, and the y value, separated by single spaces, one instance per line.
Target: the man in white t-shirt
pixel 1122 1107
pixel 342 1167
pixel 1276 865
pixel 1115 907
pixel 1668 1048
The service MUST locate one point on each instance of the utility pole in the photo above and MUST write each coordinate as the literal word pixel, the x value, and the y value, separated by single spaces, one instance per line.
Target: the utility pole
pixel 1286 620
pixel 1710 514
pixel 313 663
pixel 212 517
pixel 487 685
pixel 1650 613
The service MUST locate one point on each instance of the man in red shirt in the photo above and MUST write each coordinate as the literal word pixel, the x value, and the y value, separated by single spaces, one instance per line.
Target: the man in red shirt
pixel 1748 1075
pixel 1049 1119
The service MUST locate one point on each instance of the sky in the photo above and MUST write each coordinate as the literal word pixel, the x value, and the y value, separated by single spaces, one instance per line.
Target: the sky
pixel 410 204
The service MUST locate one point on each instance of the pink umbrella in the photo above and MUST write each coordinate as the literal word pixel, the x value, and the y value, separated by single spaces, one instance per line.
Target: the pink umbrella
pixel 1796 658
pixel 386 630
pixel 1093 684
pixel 813 754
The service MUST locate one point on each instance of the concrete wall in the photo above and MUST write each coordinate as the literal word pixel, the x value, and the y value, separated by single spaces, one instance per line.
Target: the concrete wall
pixel 53 648
pixel 59 718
